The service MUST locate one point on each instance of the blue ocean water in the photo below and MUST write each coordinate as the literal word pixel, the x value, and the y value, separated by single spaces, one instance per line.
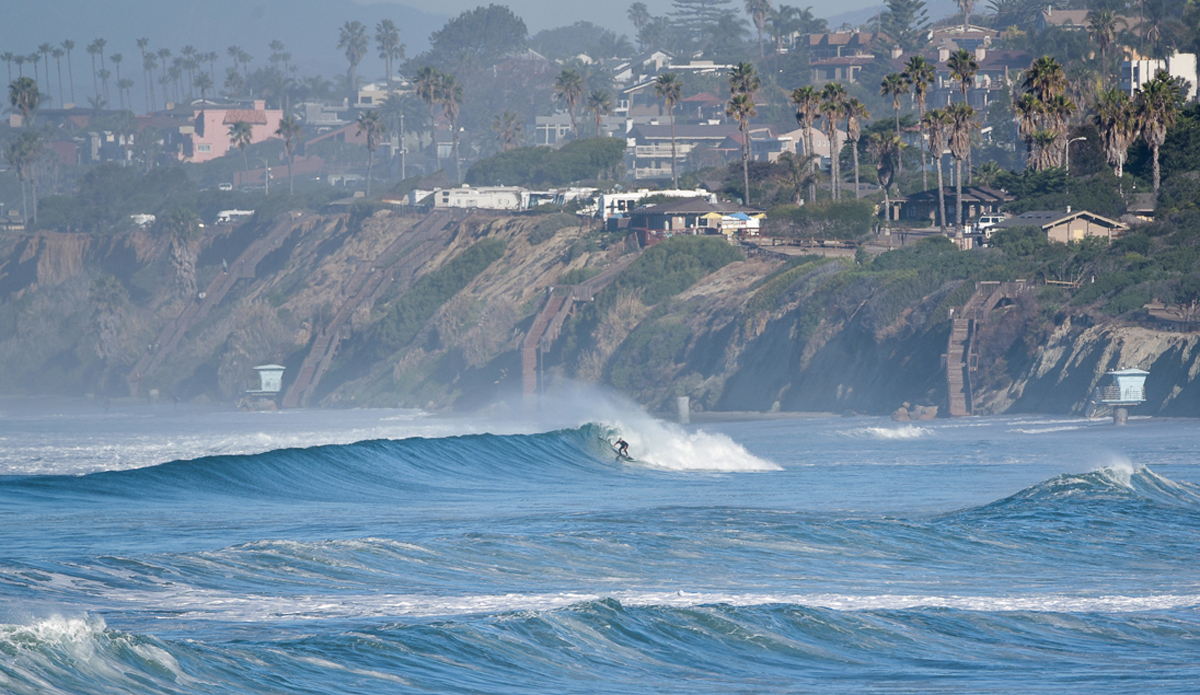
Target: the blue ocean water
pixel 155 549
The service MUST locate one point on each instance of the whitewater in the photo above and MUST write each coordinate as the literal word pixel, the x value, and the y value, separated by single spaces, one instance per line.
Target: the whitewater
pixel 191 549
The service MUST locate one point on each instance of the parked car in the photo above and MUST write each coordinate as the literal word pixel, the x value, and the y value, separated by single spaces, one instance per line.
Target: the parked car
pixel 986 222
pixel 224 186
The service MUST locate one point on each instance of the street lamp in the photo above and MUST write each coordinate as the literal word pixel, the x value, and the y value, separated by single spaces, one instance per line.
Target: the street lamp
pixel 1069 151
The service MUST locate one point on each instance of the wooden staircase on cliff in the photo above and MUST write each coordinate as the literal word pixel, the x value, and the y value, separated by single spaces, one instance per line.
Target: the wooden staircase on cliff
pixel 962 349
pixel 244 267
pixel 399 261
pixel 560 303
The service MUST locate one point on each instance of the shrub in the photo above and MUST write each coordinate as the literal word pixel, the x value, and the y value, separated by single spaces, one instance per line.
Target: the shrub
pixel 408 314
pixel 847 220
pixel 548 226
pixel 675 265
pixel 578 276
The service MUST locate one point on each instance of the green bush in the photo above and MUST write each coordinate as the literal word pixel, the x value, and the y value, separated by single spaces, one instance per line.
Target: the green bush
pixel 575 161
pixel 674 265
pixel 578 276
pixel 647 354
pixel 548 226
pixel 1023 240
pixel 846 220
pixel 768 295
pixel 408 314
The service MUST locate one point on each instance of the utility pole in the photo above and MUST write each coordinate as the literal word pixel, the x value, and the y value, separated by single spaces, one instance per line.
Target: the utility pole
pixel 403 148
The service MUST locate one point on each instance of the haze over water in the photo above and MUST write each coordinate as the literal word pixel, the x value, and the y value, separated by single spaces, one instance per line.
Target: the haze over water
pixel 154 549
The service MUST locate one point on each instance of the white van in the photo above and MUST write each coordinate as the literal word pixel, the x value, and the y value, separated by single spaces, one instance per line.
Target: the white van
pixel 224 186
pixel 986 223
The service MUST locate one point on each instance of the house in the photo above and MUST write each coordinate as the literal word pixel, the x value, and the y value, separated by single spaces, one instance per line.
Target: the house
pixel 620 203
pixel 210 138
pixel 555 130
pixel 649 63
pixel 839 56
pixel 1138 71
pixel 1067 225
pixel 997 69
pixel 955 38
pixel 701 215
pixel 1076 20
pixel 820 139
pixel 976 201
pixel 485 197
pixel 701 107
pixel 649 146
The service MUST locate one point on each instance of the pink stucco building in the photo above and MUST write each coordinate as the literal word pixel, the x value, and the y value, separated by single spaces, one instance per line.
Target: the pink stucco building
pixel 210 138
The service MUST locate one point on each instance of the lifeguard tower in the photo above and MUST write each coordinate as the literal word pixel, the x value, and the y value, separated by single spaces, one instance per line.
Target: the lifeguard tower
pixel 1120 390
pixel 270 383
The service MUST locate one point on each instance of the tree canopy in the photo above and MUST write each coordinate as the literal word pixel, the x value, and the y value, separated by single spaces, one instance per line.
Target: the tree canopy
pixel 474 40
pixel 576 161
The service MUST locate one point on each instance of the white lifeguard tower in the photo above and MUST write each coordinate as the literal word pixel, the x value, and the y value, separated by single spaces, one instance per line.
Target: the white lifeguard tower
pixel 270 378
pixel 1121 390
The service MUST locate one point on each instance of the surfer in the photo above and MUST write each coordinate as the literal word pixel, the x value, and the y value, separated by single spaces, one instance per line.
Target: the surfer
pixel 622 447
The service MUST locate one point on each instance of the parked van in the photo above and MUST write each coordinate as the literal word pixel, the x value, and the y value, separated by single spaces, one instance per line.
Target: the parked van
pixel 986 223
pixel 224 186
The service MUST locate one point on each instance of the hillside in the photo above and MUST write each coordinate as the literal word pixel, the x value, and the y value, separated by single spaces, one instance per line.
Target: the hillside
pixel 387 309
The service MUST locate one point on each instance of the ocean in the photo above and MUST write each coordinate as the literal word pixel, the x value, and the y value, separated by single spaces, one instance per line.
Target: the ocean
pixel 189 549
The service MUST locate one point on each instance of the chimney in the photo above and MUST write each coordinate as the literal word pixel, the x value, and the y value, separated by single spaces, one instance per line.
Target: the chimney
pixel 1068 209
pixel 943 54
pixel 980 53
pixel 260 105
pixel 896 52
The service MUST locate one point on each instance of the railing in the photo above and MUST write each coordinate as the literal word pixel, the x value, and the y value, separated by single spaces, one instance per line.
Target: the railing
pixel 1115 394
pixel 662 151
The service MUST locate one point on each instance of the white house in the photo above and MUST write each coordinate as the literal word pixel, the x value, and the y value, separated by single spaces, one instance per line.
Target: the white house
pixel 1135 73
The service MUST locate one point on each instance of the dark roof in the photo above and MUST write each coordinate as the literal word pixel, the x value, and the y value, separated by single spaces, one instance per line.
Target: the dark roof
pixel 684 132
pixel 692 206
pixel 1047 218
pixel 983 194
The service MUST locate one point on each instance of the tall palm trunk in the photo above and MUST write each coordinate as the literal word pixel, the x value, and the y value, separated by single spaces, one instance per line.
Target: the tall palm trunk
pixel 957 195
pixel 457 168
pixel 813 164
pixel 857 193
pixel 746 159
pixel 370 163
pixel 1154 151
pixel 674 159
pixel 941 194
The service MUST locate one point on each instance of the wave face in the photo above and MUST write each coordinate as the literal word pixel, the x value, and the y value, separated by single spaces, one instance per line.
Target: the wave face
pixel 767 557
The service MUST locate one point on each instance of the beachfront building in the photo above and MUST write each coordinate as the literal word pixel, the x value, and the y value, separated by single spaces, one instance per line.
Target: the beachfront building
pixel 210 138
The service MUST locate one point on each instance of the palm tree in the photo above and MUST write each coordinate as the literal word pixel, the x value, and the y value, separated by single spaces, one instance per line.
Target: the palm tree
pixel 426 83
pixel 163 54
pixel 370 123
pixel 116 58
pixel 22 153
pixel 35 58
pixel 963 67
pixel 353 38
pixel 1059 111
pixel 568 86
pixel 759 10
pixel 241 134
pixel 1045 78
pixel 181 226
pixel 58 54
pixel 189 63
pixel 1028 112
pixel 67 46
pixel 141 44
pixel 289 129
pixel 743 79
pixel 798 172
pixel 885 150
pixel 966 6
pixel 600 104
pixel 669 89
pixel 808 108
pixel 962 122
pixel 936 123
pixel 45 49
pixel 20 61
pixel 833 100
pixel 856 112
pixel 149 62
pixel 508 129
pixel 895 86
pixel 100 44
pixel 387 39
pixel 639 15
pixel 741 107
pixel 450 93
pixel 919 74
pixel 8 57
pixel 203 83
pixel 1102 28
pixel 1157 106
pixel 126 84
pixel 24 97
pixel 93 50
pixel 1116 119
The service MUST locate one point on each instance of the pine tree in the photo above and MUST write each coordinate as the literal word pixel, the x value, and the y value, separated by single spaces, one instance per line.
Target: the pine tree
pixel 906 22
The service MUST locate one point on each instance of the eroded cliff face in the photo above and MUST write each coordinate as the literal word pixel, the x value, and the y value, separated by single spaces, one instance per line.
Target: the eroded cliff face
pixel 834 339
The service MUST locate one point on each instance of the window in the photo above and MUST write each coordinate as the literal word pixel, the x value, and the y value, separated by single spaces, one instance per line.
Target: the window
pixel 364 100
pixel 204 148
